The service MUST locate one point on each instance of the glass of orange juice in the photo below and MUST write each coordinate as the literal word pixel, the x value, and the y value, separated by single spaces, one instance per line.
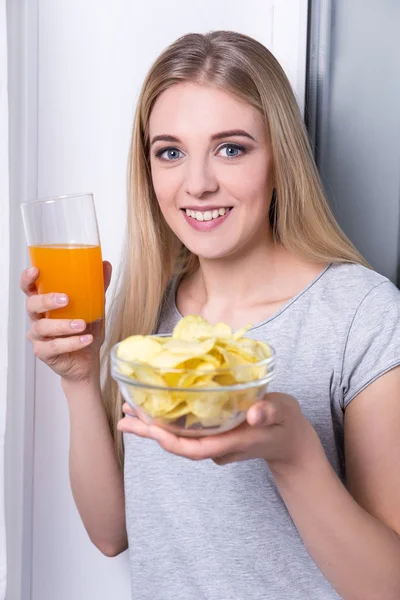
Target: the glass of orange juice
pixel 64 244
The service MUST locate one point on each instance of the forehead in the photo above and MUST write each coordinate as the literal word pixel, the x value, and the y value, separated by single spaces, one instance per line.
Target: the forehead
pixel 187 108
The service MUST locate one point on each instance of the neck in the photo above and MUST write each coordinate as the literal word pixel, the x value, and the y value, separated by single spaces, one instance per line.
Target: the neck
pixel 234 277
pixel 248 285
pixel 261 272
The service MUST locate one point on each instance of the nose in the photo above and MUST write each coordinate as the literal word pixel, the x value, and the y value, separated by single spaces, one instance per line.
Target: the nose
pixel 200 178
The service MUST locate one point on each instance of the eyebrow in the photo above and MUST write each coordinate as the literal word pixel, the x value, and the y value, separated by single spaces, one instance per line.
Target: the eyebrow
pixel 216 136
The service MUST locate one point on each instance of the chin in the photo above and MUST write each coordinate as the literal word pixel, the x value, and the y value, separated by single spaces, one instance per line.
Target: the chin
pixel 212 250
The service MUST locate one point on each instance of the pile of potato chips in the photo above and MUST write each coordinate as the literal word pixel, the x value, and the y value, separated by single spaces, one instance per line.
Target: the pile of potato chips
pixel 195 365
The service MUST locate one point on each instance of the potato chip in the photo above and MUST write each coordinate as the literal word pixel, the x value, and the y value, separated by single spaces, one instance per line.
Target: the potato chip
pixel 221 330
pixel 172 378
pixel 159 404
pixel 264 349
pixel 125 369
pixel 180 410
pixel 206 362
pixel 233 347
pixel 217 355
pixel 166 360
pixel 206 405
pixel 241 367
pixel 147 375
pixel 192 327
pixel 187 379
pixel 138 348
pixel 138 395
pixel 189 347
pixel 225 379
pixel 239 333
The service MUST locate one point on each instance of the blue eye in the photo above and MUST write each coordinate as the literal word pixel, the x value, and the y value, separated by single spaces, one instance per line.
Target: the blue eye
pixel 232 150
pixel 173 154
pixel 169 154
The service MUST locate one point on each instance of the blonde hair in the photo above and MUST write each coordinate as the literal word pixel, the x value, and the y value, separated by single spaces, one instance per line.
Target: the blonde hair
pixel 300 216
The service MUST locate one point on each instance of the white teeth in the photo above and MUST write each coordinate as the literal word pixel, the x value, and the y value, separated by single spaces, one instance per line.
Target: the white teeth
pixel 208 215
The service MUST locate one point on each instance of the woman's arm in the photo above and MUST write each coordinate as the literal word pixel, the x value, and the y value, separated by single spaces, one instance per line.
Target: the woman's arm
pixel 96 479
pixel 354 538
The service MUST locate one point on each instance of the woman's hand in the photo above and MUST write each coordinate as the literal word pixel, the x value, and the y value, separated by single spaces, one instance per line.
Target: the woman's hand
pixel 275 430
pixel 63 344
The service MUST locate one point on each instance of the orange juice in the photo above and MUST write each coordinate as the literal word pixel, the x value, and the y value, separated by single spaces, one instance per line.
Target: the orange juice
pixel 75 270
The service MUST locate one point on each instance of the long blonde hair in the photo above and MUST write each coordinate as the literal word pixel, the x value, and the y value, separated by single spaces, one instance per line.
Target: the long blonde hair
pixel 300 216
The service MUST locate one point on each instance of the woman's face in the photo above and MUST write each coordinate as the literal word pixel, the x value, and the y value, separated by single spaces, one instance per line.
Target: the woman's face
pixel 211 167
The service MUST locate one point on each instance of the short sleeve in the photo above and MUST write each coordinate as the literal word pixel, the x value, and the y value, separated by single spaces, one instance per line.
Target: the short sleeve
pixel 373 341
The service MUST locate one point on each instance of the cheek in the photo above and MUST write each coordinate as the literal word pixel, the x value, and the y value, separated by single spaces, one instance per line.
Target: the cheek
pixel 166 186
pixel 251 184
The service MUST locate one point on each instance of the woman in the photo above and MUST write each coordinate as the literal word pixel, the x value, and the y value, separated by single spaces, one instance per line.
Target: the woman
pixel 227 219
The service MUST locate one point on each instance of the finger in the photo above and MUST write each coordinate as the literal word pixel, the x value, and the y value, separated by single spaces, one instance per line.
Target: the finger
pixel 136 426
pixel 197 449
pixel 213 446
pixel 28 279
pixel 128 410
pixel 53 348
pixel 107 272
pixel 228 458
pixel 265 413
pixel 166 440
pixel 39 304
pixel 51 328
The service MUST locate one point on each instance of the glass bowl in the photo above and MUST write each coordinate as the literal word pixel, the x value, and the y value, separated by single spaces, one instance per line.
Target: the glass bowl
pixel 193 411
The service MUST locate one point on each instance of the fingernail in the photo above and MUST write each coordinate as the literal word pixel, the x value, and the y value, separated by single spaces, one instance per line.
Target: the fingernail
pixel 78 325
pixel 86 338
pixel 258 416
pixel 31 271
pixel 61 299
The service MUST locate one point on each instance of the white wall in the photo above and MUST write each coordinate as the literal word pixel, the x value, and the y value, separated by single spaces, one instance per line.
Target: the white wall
pixel 20 397
pixel 90 59
pixel 4 270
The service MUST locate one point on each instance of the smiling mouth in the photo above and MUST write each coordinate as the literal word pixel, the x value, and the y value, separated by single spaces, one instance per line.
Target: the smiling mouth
pixel 207 215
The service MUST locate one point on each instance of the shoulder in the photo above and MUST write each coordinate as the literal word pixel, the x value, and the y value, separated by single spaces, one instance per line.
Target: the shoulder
pixel 372 342
pixel 356 279
pixel 352 287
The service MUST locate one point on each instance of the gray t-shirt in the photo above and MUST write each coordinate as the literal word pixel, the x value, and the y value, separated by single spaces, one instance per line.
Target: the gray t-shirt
pixel 198 531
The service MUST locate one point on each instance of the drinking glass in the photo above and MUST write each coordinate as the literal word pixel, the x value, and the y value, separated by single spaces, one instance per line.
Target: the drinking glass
pixel 64 244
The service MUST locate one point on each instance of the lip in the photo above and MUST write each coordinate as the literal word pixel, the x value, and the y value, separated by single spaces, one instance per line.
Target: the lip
pixel 203 208
pixel 206 225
